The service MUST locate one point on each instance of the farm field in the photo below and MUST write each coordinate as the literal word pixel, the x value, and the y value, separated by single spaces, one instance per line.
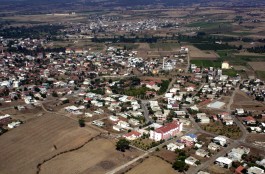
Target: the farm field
pixel 97 156
pixel 257 66
pixel 153 165
pixel 242 100
pixel 23 148
pixel 206 63
pixel 196 53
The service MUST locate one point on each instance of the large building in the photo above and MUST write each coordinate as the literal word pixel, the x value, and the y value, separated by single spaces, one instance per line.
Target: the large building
pixel 165 132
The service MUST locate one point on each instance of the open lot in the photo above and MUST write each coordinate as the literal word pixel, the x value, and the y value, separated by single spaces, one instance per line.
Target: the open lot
pixel 23 148
pixel 242 100
pixel 97 156
pixel 153 165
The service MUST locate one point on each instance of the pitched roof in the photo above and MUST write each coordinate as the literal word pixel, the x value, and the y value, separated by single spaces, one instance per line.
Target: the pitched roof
pixel 168 127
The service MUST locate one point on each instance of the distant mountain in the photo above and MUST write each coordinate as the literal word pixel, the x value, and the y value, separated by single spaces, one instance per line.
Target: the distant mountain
pixel 29 6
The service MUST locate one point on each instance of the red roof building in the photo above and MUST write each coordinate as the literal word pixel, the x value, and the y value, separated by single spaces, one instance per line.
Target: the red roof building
pixel 165 132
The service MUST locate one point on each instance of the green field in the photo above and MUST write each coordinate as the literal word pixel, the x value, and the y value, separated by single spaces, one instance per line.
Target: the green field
pixel 229 72
pixel 208 24
pixel 207 63
pixel 229 55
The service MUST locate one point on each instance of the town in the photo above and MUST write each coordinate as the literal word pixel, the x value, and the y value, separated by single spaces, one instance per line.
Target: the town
pixel 118 95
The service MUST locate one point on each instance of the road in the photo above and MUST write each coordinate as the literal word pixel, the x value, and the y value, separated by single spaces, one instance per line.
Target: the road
pixel 238 123
pixel 211 160
pixel 146 111
pixel 188 60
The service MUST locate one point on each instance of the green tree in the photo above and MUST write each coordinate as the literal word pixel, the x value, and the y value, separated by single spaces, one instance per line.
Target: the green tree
pixel 122 145
pixel 180 166
pixel 81 122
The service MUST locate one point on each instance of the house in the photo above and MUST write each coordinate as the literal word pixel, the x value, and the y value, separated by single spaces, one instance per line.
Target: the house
pixel 240 111
pixel 237 153
pixel 87 114
pixel 165 132
pixel 117 128
pixel 255 170
pixel 202 172
pixel 13 124
pixel 191 161
pixel 202 153
pixel 123 124
pixel 214 147
pixel 221 140
pixel 113 118
pixel 249 120
pixel 133 135
pixel 203 118
pixel 134 122
pixel 174 146
pixel 223 162
pixel 5 119
pixel 189 139
pixel 98 123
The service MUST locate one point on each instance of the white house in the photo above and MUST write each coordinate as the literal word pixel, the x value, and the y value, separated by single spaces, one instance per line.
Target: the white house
pixel 223 162
pixel 255 170
pixel 222 140
pixel 191 161
pixel 123 124
pixel 13 124
pixel 174 146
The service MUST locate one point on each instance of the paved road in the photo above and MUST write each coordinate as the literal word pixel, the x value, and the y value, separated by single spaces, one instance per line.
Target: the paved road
pixel 146 111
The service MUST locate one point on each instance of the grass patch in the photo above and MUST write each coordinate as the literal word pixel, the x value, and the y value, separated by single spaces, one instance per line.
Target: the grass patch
pixel 207 63
pixel 214 46
pixel 229 72
pixel 233 131
pixel 261 74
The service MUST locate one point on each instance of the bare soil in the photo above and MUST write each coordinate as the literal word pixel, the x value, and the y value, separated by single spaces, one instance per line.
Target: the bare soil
pixel 24 147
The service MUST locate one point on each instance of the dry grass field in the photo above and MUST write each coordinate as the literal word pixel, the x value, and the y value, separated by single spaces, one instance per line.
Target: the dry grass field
pixel 257 66
pixel 153 165
pixel 242 100
pixel 196 53
pixel 97 156
pixel 23 148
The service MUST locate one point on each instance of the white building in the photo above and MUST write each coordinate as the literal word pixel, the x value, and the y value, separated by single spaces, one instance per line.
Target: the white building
pixel 191 161
pixel 225 65
pixel 223 162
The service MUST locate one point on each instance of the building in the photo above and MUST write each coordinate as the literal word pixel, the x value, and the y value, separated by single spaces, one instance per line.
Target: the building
pixel 174 146
pixel 133 135
pixel 165 132
pixel 222 140
pixel 202 153
pixel 191 161
pixel 214 147
pixel 255 170
pixel 225 65
pixel 223 162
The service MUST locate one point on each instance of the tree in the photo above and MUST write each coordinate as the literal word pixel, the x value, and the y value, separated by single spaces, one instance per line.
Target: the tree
pixel 122 145
pixel 180 166
pixel 81 122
